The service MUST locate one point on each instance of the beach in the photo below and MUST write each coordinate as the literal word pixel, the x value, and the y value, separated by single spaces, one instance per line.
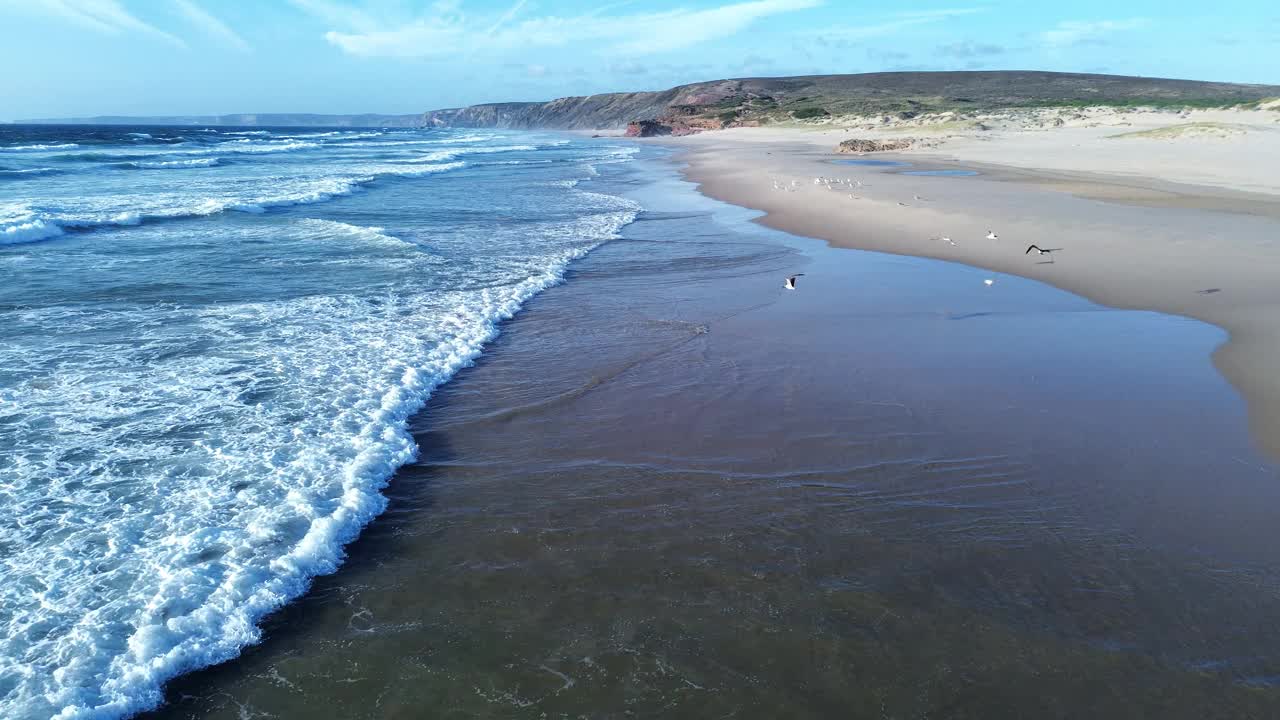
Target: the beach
pixel 671 488
pixel 458 423
pixel 1175 213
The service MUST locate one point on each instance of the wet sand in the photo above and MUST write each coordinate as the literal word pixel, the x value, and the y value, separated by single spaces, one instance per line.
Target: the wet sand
pixel 1124 240
pixel 671 489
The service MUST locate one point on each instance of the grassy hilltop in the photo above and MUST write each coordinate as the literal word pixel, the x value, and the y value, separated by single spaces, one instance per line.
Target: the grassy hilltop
pixel 755 101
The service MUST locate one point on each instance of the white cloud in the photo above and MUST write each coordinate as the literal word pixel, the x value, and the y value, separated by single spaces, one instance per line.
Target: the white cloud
pixel 105 16
pixel 450 32
pixel 1076 32
pixel 211 25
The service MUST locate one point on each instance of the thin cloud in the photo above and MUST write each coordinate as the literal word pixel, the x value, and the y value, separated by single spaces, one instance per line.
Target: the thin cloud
pixel 1077 32
pixel 970 49
pixel 211 25
pixel 848 36
pixel 450 33
pixel 334 14
pixel 104 16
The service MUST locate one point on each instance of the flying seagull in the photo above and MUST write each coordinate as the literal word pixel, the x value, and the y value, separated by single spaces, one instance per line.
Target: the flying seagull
pixel 1042 251
pixel 991 235
pixel 989 282
pixel 790 284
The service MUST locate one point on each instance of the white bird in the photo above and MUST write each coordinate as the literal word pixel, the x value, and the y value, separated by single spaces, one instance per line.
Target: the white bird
pixel 991 235
pixel 790 284
pixel 917 197
pixel 989 282
pixel 948 240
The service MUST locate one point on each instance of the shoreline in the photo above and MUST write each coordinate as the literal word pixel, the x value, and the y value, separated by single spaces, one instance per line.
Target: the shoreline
pixel 800 533
pixel 1128 242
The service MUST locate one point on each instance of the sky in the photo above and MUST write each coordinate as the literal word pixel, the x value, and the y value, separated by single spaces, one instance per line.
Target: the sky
pixel 64 58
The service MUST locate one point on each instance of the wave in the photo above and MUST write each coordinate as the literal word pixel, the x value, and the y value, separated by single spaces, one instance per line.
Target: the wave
pixel 201 566
pixel 439 155
pixel 251 147
pixel 28 172
pixel 28 226
pixel 395 143
pixel 140 136
pixel 173 164
pixel 364 233
pixel 248 132
pixel 38 147
pixel 28 232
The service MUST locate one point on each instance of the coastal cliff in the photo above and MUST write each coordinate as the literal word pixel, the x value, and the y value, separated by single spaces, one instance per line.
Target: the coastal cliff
pixel 756 101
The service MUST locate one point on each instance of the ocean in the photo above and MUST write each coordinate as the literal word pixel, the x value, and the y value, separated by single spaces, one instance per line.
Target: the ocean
pixel 399 424
pixel 210 342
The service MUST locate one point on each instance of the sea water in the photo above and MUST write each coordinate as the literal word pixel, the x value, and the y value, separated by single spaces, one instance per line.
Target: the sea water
pixel 210 342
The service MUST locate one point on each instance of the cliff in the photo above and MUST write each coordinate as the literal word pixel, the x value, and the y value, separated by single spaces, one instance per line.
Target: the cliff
pixel 755 101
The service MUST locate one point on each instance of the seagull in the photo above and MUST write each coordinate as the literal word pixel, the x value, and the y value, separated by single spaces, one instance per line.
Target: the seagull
pixel 991 235
pixel 989 282
pixel 1042 251
pixel 917 197
pixel 790 284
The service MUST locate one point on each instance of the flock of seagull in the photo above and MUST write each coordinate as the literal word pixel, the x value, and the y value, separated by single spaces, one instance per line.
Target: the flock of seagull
pixel 836 183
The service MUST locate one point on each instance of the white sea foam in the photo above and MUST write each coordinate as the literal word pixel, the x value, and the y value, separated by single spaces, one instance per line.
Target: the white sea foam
pixel 28 171
pixel 438 155
pixel 25 225
pixel 459 140
pixel 39 147
pixel 140 136
pixel 30 231
pixel 248 132
pixel 135 563
pixel 251 146
pixel 174 164
pixel 367 234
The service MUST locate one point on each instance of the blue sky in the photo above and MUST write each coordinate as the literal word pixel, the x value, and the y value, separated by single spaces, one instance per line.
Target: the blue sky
pixel 90 57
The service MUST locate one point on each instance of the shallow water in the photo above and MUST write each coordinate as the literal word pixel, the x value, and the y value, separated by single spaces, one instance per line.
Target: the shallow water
pixel 872 163
pixel 210 342
pixel 941 173
pixel 672 489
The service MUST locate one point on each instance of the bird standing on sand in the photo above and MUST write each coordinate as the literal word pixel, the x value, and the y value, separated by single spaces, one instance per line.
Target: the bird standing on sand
pixel 991 235
pixel 790 284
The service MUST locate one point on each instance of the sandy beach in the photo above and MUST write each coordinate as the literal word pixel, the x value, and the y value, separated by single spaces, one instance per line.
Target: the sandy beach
pixel 1176 213
pixel 673 489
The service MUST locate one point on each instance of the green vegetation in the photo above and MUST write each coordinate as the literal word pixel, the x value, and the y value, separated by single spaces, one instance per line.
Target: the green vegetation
pixel 1135 103
pixel 808 113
